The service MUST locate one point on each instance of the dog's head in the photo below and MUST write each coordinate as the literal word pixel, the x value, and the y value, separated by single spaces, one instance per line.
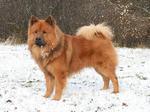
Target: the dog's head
pixel 43 33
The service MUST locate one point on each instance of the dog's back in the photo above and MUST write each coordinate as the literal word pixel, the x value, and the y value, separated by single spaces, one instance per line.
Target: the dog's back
pixel 92 45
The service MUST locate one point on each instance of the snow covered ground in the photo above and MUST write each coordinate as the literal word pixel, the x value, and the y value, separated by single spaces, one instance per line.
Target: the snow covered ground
pixel 22 85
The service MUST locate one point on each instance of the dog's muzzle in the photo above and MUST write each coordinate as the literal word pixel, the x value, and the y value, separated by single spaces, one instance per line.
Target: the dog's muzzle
pixel 39 41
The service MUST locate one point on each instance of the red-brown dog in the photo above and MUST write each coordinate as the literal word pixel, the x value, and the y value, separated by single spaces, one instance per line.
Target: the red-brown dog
pixel 59 55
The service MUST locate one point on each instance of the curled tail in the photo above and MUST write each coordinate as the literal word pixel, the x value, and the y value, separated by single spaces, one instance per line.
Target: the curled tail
pixel 92 31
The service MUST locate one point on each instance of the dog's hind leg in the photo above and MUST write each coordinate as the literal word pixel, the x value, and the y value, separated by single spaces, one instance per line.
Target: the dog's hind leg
pixel 105 79
pixel 109 74
pixel 106 82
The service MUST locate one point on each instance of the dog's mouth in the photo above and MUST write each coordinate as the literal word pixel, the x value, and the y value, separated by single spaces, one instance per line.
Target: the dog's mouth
pixel 40 42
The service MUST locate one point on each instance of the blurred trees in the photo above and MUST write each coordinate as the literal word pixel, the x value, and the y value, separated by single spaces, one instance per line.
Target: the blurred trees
pixel 130 19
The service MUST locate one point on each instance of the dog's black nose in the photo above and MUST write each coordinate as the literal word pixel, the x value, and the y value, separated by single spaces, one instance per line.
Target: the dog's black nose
pixel 39 41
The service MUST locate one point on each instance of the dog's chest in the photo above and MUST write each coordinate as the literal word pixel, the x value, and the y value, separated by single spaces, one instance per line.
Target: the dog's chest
pixel 36 53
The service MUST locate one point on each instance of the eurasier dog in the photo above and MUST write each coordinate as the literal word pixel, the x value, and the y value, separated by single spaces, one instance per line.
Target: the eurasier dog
pixel 59 54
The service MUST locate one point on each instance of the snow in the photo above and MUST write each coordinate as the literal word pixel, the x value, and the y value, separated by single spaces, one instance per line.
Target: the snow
pixel 22 85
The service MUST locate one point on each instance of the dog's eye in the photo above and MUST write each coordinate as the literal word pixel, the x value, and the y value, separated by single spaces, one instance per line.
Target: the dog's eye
pixel 44 32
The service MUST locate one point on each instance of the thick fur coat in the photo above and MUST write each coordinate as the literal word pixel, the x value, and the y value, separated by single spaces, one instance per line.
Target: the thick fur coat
pixel 63 55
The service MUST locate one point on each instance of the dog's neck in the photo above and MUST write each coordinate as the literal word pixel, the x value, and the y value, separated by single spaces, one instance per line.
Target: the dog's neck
pixel 56 49
pixel 54 52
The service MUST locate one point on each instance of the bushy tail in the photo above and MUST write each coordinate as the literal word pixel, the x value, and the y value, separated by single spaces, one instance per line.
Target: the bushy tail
pixel 91 31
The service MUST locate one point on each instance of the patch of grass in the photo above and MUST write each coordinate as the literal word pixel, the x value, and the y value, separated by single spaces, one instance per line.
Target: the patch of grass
pixel 141 77
pixel 12 40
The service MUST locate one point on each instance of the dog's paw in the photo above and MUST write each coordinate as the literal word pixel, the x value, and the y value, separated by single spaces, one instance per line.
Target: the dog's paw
pixel 104 88
pixel 56 98
pixel 115 92
pixel 46 96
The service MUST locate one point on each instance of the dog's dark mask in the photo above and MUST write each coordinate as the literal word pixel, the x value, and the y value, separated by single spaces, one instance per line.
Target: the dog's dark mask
pixel 39 41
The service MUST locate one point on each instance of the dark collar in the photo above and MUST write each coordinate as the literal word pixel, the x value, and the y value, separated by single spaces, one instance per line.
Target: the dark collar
pixel 56 49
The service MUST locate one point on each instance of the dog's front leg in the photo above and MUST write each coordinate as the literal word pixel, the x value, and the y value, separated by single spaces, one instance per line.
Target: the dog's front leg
pixel 60 83
pixel 49 84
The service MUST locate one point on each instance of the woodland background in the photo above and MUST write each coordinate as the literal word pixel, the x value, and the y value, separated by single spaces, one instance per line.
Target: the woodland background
pixel 130 19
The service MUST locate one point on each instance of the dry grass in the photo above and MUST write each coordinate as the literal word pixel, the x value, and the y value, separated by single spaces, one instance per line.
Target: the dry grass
pixel 12 40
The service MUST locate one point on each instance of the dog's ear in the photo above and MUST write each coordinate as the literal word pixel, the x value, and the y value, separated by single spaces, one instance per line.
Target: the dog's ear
pixel 50 20
pixel 33 20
